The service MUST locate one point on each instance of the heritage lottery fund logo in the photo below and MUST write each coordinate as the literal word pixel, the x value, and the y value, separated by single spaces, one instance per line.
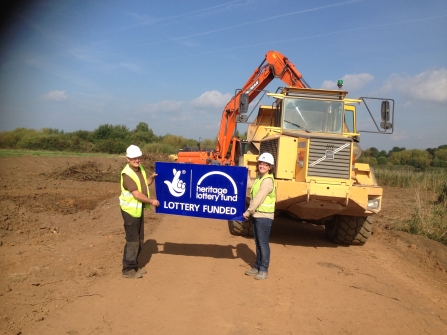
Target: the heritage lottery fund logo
pixel 177 188
pixel 201 190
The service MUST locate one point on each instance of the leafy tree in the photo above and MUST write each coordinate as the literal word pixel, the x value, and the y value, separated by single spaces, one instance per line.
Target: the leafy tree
pixel 208 144
pixel 140 138
pixel 431 151
pixel 439 163
pixel 103 131
pixel 108 131
pixel 142 127
pixel 374 152
pixel 178 141
pixel 441 154
pixel 83 135
pixel 238 134
pixel 367 160
pixel 111 146
pixel 52 131
pixel 396 149
pixel 382 153
pixel 420 159
pixel 142 134
pixel 373 161
pixel 362 159
pixel 417 158
pixel 399 157
pixel 366 153
pixel 382 160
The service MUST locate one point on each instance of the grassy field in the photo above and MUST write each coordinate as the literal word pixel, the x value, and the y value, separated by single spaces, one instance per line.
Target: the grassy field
pixel 429 191
pixel 40 153
pixel 407 176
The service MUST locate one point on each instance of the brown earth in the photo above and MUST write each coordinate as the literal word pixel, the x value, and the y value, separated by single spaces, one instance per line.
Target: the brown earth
pixel 61 248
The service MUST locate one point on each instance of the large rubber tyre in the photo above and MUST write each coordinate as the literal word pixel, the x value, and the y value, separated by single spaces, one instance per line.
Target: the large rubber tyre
pixel 240 228
pixel 349 229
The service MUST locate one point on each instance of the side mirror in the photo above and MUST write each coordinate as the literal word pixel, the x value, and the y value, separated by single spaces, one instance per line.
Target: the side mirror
pixel 385 109
pixel 243 103
pixel 382 106
pixel 385 112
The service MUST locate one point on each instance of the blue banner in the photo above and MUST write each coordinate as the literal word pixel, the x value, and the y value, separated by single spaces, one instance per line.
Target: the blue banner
pixel 208 191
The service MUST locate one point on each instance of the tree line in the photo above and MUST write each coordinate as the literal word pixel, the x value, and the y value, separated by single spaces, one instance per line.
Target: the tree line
pixel 114 139
pixel 420 159
pixel 107 138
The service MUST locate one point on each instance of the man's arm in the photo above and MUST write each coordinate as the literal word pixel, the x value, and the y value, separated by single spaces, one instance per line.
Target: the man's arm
pixel 141 197
pixel 151 179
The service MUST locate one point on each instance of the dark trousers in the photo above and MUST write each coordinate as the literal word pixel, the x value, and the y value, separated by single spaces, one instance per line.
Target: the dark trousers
pixel 134 229
pixel 261 232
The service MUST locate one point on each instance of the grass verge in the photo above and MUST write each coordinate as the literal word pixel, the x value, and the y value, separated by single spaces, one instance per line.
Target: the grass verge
pixel 41 153
pixel 429 190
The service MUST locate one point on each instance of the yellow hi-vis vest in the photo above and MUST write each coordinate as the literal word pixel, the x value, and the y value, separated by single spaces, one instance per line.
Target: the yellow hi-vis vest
pixel 268 206
pixel 127 201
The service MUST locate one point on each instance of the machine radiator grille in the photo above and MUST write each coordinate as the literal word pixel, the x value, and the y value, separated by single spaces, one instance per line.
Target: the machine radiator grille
pixel 329 158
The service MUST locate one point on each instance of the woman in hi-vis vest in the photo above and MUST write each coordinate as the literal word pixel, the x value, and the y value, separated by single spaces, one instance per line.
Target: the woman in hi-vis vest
pixel 262 210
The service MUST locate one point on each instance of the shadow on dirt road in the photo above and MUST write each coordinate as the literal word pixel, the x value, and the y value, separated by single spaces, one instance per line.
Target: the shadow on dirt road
pixel 151 247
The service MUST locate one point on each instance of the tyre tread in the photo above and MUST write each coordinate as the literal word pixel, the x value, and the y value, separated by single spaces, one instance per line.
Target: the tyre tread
pixel 349 229
pixel 240 228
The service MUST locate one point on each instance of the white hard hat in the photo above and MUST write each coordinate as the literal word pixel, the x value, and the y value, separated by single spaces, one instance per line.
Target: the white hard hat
pixel 267 158
pixel 133 151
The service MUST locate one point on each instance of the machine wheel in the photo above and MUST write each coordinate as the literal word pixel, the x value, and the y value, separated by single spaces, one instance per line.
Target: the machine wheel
pixel 240 228
pixel 349 229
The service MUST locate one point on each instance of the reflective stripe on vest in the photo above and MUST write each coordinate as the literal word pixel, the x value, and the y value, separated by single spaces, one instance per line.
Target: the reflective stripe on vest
pixel 268 206
pixel 128 203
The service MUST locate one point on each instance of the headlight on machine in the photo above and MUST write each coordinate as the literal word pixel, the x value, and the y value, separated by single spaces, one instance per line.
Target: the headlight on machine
pixel 374 203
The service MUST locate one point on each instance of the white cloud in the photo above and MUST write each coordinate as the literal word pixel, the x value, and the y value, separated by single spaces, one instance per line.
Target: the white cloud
pixel 165 106
pixel 427 86
pixel 351 82
pixel 211 99
pixel 172 115
pixel 182 117
pixel 55 96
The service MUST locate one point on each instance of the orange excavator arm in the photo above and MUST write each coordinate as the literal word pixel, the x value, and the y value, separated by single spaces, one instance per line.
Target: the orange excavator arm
pixel 275 65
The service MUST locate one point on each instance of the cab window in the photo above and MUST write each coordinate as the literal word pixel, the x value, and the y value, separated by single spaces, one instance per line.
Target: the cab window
pixel 349 122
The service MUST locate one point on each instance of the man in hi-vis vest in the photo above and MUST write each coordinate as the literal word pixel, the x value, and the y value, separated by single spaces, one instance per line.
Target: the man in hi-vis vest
pixel 133 199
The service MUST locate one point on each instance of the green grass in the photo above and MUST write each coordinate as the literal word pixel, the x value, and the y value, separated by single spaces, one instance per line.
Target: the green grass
pixel 428 218
pixel 429 191
pixel 408 177
pixel 41 153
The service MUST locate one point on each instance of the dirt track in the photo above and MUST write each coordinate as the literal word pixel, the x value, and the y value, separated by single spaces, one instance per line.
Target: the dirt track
pixel 61 255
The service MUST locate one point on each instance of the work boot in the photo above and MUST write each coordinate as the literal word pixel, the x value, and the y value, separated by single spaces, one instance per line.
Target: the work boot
pixel 142 271
pixel 252 272
pixel 132 274
pixel 262 275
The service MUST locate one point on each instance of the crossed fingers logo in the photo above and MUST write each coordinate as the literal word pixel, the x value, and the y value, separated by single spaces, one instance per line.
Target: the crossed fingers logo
pixel 176 187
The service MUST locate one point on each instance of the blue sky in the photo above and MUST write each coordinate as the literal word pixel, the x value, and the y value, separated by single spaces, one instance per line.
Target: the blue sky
pixel 174 64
